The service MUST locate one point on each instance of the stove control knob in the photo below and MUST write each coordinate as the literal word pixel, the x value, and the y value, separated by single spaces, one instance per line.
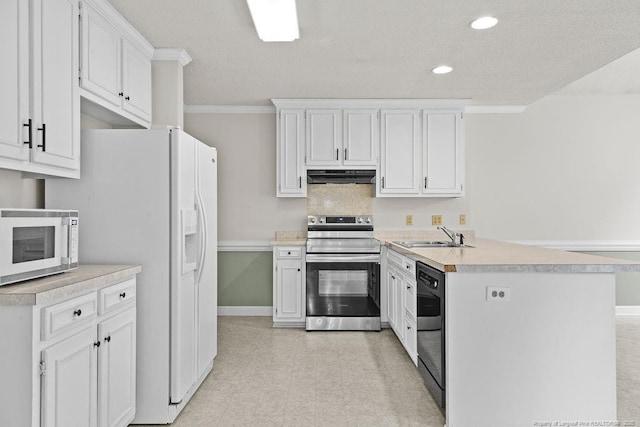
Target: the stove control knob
pixel 368 220
pixel 359 220
pixel 321 220
pixel 312 220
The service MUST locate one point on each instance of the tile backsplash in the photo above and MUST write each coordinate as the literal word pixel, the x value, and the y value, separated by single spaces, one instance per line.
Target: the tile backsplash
pixel 340 199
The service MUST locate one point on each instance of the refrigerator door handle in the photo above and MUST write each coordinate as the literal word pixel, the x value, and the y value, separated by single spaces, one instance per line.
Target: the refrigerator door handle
pixel 203 234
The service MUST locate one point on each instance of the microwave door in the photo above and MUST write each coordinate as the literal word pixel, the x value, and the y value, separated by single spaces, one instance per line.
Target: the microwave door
pixel 34 244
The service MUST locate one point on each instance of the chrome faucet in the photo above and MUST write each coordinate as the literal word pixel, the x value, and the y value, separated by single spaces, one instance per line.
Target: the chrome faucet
pixel 452 235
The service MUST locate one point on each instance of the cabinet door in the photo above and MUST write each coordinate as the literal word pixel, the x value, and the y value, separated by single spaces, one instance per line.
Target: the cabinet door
pixel 411 339
pixel 117 370
pixel 441 153
pixel 361 137
pixel 56 100
pixel 398 310
pixel 289 295
pixel 14 78
pixel 324 137
pixel 292 180
pixel 391 299
pixel 100 56
pixel 400 161
pixel 136 81
pixel 69 384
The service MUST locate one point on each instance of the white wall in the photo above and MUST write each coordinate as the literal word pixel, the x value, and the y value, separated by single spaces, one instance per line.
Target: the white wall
pixel 565 169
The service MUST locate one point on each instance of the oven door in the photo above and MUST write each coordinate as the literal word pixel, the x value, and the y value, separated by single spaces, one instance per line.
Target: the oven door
pixel 343 285
pixel 33 247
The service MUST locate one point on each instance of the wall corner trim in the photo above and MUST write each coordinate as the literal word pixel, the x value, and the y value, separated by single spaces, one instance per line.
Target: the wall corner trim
pixel 245 310
pixel 171 54
pixel 628 310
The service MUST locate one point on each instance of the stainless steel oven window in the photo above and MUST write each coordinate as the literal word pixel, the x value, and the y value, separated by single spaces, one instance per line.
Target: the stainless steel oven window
pixel 33 243
pixel 343 282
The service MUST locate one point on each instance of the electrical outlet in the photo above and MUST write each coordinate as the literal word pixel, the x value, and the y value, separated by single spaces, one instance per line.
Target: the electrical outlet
pixel 463 219
pixel 498 294
pixel 436 219
pixel 409 219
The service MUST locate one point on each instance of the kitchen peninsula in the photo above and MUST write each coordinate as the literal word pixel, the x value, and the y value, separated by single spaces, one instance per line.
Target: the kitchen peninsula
pixel 543 352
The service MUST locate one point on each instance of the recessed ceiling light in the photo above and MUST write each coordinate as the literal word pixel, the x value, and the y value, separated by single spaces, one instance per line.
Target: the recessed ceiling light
pixel 483 23
pixel 442 69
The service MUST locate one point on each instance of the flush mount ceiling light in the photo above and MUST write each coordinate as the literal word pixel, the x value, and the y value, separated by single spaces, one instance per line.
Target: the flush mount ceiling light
pixel 483 23
pixel 275 20
pixel 442 69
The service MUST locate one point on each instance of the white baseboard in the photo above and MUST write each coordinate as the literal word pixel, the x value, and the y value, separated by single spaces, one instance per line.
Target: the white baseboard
pixel 628 310
pixel 258 310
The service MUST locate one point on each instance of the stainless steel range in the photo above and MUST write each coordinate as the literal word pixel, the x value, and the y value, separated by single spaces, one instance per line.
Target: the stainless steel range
pixel 343 274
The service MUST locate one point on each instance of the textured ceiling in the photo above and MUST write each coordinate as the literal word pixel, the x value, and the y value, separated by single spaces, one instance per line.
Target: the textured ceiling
pixel 386 48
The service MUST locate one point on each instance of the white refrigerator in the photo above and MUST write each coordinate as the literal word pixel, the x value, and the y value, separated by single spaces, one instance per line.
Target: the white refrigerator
pixel 148 197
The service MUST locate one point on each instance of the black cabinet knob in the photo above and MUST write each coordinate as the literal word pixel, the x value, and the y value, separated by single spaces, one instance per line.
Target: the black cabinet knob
pixel 120 94
pixel 77 313
pixel 108 339
pixel 122 295
pixel 127 98
pixel 96 344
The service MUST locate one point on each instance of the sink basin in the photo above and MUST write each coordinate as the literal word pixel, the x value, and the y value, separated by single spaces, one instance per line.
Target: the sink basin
pixel 429 244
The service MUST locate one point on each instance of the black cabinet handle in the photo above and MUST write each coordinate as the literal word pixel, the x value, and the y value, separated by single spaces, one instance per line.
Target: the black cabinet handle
pixel 383 182
pixel 298 269
pixel 299 182
pixel 425 182
pixel 408 266
pixel 120 94
pixel 289 253
pixel 96 344
pixel 77 312
pixel 408 287
pixel 127 98
pixel 108 339
pixel 337 151
pixel 345 154
pixel 30 141
pixel 122 295
pixel 44 137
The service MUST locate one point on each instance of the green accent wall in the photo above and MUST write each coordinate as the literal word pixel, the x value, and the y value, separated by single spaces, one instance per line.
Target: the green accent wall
pixel 627 284
pixel 245 278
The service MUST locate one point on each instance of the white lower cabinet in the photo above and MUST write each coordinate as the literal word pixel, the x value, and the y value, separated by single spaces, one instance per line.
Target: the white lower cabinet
pixel 289 291
pixel 80 354
pixel 69 373
pixel 401 301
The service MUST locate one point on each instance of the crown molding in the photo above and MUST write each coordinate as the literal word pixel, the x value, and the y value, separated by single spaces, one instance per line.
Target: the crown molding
pixel 171 54
pixel 494 109
pixel 229 109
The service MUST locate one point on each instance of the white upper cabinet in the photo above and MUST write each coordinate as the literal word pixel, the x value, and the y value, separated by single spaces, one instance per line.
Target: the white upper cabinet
pixel 361 137
pixel 441 164
pixel 415 145
pixel 116 66
pixel 40 105
pixel 400 153
pixel 290 170
pixel 14 79
pixel 56 104
pixel 324 137
pixel 341 138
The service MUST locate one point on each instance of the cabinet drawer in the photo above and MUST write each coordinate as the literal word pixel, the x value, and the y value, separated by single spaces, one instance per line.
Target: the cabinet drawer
pixel 410 299
pixel 68 314
pixel 409 266
pixel 395 258
pixel 116 296
pixel 289 253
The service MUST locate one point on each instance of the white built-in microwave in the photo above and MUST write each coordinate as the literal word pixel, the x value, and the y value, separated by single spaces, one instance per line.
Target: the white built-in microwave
pixel 36 243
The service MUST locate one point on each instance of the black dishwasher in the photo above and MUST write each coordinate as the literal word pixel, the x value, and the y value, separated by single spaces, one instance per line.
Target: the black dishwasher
pixel 431 329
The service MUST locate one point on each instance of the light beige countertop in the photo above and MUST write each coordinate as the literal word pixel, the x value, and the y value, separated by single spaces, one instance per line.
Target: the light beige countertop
pixel 495 256
pixel 290 238
pixel 58 286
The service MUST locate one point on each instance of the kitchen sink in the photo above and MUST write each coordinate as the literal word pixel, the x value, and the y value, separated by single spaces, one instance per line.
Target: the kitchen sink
pixel 429 244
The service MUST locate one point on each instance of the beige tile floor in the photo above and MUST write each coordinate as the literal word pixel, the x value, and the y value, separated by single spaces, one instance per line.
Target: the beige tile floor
pixel 287 377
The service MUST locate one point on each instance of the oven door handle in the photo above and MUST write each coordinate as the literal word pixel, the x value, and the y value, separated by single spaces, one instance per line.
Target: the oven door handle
pixel 325 258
